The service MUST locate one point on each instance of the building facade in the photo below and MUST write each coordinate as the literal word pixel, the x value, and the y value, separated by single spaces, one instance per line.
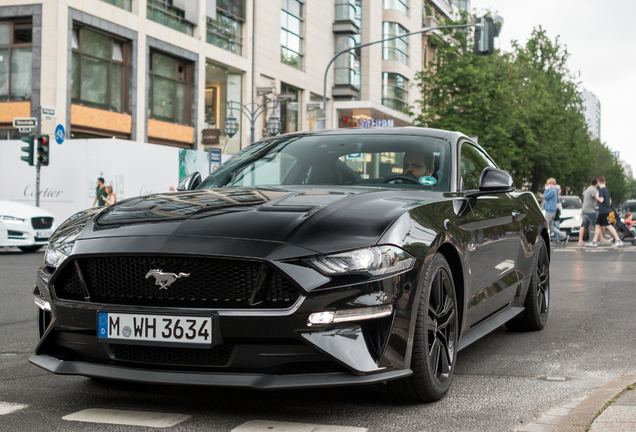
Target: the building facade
pixel 165 71
pixel 592 109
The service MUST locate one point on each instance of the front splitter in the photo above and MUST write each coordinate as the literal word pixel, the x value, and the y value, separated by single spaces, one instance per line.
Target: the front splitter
pixel 212 379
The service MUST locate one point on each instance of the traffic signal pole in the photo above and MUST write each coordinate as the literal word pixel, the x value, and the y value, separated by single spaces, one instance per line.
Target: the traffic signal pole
pixel 37 183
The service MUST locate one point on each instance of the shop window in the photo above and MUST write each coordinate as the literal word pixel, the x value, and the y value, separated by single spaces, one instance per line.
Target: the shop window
pixel 164 12
pixel 396 49
pixel 16 38
pixel 99 77
pixel 290 109
pixel 394 91
pixel 317 115
pixel 291 33
pixel 398 5
pixel 221 87
pixel 169 98
pixel 124 4
pixel 226 31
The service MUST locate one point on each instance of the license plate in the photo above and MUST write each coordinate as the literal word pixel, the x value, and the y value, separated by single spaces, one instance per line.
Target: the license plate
pixel 43 234
pixel 155 329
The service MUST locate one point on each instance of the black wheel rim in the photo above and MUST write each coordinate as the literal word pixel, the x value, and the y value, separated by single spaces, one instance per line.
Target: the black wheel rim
pixel 441 327
pixel 543 284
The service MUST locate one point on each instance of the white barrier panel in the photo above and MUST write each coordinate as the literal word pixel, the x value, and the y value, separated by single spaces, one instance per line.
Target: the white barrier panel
pixel 68 184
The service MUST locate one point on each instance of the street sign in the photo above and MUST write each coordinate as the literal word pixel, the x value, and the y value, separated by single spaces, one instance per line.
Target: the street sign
pixel 24 122
pixel 210 136
pixel 48 113
pixel 354 156
pixel 25 129
pixel 59 134
pixel 215 159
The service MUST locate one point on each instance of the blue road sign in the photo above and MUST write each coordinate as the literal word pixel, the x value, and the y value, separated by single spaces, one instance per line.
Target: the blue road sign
pixel 354 156
pixel 215 156
pixel 59 134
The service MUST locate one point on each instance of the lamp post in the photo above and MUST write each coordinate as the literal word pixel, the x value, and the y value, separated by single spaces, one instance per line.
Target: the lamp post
pixel 252 111
pixel 484 33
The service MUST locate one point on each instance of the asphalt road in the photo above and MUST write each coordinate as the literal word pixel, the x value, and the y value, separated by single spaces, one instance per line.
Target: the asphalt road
pixel 499 382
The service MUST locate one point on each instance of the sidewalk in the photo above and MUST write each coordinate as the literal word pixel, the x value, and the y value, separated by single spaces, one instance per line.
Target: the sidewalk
pixel 610 408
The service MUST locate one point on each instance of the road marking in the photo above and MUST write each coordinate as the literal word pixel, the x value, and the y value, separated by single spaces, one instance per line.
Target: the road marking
pixel 595 250
pixel 129 418
pixel 564 250
pixel 8 408
pixel 273 426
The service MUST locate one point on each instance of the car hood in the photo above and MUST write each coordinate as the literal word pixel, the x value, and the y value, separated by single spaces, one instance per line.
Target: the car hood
pixel 24 211
pixel 321 219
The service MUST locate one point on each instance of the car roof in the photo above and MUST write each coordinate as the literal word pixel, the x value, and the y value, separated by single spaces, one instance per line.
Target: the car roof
pixel 407 130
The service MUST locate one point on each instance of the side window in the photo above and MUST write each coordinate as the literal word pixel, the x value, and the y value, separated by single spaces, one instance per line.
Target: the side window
pixel 472 163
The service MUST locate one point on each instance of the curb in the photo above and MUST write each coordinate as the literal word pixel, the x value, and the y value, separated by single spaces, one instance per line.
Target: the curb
pixel 582 415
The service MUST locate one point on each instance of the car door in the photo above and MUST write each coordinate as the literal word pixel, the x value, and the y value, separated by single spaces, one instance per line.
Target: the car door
pixel 493 252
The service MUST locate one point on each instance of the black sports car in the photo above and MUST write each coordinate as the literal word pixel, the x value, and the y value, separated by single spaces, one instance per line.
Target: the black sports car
pixel 311 259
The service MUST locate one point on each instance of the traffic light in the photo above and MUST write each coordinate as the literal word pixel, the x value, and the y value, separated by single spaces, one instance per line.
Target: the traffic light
pixel 43 150
pixel 28 158
pixel 485 32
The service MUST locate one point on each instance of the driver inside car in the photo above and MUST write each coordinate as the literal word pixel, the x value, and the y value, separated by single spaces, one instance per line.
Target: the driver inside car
pixel 418 164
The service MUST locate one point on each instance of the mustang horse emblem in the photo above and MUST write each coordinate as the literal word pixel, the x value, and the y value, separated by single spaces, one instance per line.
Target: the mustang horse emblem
pixel 164 280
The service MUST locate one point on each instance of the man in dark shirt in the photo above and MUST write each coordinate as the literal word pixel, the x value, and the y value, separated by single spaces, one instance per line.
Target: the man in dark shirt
pixel 100 193
pixel 604 209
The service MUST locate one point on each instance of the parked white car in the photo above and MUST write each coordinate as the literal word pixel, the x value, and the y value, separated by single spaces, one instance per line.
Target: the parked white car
pixel 24 226
pixel 570 214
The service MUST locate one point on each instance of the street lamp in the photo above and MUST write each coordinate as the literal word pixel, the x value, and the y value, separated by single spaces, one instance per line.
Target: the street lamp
pixel 252 111
pixel 485 31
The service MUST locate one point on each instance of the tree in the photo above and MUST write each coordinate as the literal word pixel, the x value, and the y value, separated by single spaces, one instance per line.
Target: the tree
pixel 525 106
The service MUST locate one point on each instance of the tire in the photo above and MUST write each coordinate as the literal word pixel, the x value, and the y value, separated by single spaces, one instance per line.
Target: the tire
pixel 537 303
pixel 29 249
pixel 435 341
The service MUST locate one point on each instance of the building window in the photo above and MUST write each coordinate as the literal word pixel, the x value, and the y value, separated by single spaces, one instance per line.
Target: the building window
pixel 345 65
pixel 163 12
pixel 99 77
pixel 221 87
pixel 290 109
pixel 169 98
pixel 394 91
pixel 226 31
pixel 398 5
pixel 346 10
pixel 16 39
pixel 290 33
pixel 396 49
pixel 124 4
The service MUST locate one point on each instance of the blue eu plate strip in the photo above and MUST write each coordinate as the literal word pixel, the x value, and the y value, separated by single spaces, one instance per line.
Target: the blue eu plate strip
pixel 102 325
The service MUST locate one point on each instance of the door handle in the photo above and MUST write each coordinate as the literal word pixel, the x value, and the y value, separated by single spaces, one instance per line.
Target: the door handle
pixel 516 216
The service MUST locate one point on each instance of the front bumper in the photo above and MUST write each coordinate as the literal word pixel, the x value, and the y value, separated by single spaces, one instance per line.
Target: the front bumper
pixel 256 381
pixel 270 348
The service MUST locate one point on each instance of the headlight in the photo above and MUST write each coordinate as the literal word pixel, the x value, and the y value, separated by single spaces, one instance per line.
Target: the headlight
pixel 10 219
pixel 54 256
pixel 577 217
pixel 375 261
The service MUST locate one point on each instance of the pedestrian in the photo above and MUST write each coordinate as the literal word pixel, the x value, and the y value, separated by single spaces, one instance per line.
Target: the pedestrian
pixel 111 198
pixel 550 196
pixel 629 223
pixel 557 221
pixel 100 193
pixel 604 209
pixel 588 211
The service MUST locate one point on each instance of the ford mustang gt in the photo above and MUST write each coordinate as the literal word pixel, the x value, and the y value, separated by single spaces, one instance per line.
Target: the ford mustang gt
pixel 312 259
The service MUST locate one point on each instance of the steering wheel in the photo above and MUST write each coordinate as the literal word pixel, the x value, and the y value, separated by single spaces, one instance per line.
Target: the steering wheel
pixel 400 177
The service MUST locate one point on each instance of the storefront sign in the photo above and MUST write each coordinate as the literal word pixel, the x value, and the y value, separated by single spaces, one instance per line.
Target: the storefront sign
pixel 210 136
pixel 367 123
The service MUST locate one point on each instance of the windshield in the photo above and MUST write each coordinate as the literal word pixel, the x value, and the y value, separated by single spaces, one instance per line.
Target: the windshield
pixel 397 161
pixel 569 203
pixel 629 206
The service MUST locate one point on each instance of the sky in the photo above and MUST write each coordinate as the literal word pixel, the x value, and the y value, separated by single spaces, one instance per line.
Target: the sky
pixel 601 40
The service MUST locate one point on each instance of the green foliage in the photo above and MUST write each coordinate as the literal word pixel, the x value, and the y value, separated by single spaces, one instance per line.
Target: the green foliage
pixel 525 106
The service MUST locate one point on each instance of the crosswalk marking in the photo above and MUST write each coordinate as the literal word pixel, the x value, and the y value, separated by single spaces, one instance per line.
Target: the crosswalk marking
pixel 129 418
pixel 8 408
pixel 273 426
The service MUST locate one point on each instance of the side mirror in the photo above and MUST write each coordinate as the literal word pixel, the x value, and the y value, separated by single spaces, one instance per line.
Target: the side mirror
pixel 485 32
pixel 493 180
pixel 190 182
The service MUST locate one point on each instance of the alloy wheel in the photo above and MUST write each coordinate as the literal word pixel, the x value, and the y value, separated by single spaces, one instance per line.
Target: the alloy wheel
pixel 441 327
pixel 543 284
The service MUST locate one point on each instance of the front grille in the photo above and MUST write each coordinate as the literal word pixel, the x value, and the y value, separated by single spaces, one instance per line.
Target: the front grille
pixel 215 356
pixel 212 283
pixel 42 222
